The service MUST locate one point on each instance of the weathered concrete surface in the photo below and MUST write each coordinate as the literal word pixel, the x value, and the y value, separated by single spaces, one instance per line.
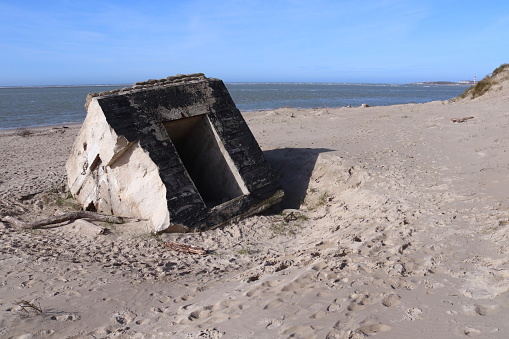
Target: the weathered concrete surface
pixel 174 151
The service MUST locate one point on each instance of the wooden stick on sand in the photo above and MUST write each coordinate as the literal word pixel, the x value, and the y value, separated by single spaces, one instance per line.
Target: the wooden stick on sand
pixel 185 248
pixel 461 119
pixel 64 217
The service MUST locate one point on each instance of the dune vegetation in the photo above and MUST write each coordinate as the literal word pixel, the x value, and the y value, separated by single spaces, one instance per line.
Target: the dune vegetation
pixel 499 75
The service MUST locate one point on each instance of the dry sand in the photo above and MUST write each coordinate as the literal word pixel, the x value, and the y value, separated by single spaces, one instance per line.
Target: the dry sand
pixel 399 229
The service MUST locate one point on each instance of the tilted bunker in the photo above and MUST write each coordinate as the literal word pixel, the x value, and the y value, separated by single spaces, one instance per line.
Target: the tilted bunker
pixel 176 152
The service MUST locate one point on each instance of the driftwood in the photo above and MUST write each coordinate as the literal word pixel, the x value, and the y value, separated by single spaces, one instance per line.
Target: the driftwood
pixel 461 119
pixel 290 217
pixel 64 217
pixel 28 306
pixel 185 248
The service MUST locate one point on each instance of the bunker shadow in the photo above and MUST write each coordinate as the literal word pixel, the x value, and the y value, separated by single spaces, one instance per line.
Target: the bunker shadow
pixel 294 167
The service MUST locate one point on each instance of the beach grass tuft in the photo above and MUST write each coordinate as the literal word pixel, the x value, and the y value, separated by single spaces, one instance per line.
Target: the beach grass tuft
pixel 501 73
pixel 22 132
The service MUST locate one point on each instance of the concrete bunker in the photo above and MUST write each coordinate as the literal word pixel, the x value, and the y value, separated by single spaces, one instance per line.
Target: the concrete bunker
pixel 174 151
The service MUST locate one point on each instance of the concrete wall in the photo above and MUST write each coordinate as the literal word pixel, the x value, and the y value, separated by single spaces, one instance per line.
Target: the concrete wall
pixel 111 175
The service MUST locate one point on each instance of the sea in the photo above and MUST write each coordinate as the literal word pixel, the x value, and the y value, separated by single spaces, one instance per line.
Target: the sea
pixel 54 105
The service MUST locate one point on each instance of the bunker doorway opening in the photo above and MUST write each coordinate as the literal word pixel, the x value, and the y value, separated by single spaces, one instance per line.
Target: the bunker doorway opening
pixel 207 162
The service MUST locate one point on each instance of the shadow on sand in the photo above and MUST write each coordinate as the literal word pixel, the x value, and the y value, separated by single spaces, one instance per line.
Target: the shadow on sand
pixel 294 167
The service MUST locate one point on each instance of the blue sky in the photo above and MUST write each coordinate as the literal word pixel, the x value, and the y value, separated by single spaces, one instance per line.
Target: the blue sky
pixel 385 41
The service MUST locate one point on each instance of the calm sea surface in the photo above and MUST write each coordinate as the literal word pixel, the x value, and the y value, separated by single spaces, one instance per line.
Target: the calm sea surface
pixel 41 106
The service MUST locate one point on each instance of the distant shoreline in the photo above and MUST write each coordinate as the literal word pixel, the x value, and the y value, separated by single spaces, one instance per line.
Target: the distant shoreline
pixel 446 83
pixel 40 128
pixel 57 105
pixel 256 82
pixel 63 86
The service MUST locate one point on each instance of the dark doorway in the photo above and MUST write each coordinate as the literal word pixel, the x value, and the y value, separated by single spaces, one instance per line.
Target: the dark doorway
pixel 205 159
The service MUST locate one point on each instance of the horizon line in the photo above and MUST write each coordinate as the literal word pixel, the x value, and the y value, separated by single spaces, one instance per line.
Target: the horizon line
pixel 249 82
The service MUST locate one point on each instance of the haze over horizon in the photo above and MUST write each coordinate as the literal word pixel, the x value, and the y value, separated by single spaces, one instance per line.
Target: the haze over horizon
pixel 121 42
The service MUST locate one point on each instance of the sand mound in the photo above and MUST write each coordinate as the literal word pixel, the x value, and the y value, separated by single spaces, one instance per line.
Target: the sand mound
pixel 494 85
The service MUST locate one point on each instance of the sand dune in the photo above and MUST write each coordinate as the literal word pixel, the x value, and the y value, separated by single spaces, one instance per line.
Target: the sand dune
pixel 395 224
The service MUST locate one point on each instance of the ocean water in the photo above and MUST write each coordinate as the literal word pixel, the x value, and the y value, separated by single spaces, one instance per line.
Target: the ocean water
pixel 42 106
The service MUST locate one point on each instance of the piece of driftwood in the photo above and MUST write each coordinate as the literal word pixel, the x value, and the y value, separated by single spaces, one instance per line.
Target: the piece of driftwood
pixel 64 217
pixel 461 119
pixel 27 306
pixel 185 248
pixel 290 217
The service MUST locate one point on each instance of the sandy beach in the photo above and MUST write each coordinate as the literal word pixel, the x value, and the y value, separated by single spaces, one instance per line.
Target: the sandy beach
pixel 395 224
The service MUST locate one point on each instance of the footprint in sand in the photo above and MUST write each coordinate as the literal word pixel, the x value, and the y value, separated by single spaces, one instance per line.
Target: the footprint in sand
pixel 270 283
pixel 293 286
pixel 274 323
pixel 372 327
pixel 212 314
pixel 319 315
pixel 207 333
pixel 300 331
pixel 360 300
pixel 471 331
pixel 123 317
pixel 254 293
pixel 101 332
pixel 184 309
pixel 391 300
pixel 355 307
pixel 156 309
pixel 263 288
pixel 201 313
pixel 224 305
pixel 66 317
pixel 183 298
pixel 218 319
pixel 413 314
pixel 481 310
pixel 274 303
pixel 333 307
pixel 73 294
